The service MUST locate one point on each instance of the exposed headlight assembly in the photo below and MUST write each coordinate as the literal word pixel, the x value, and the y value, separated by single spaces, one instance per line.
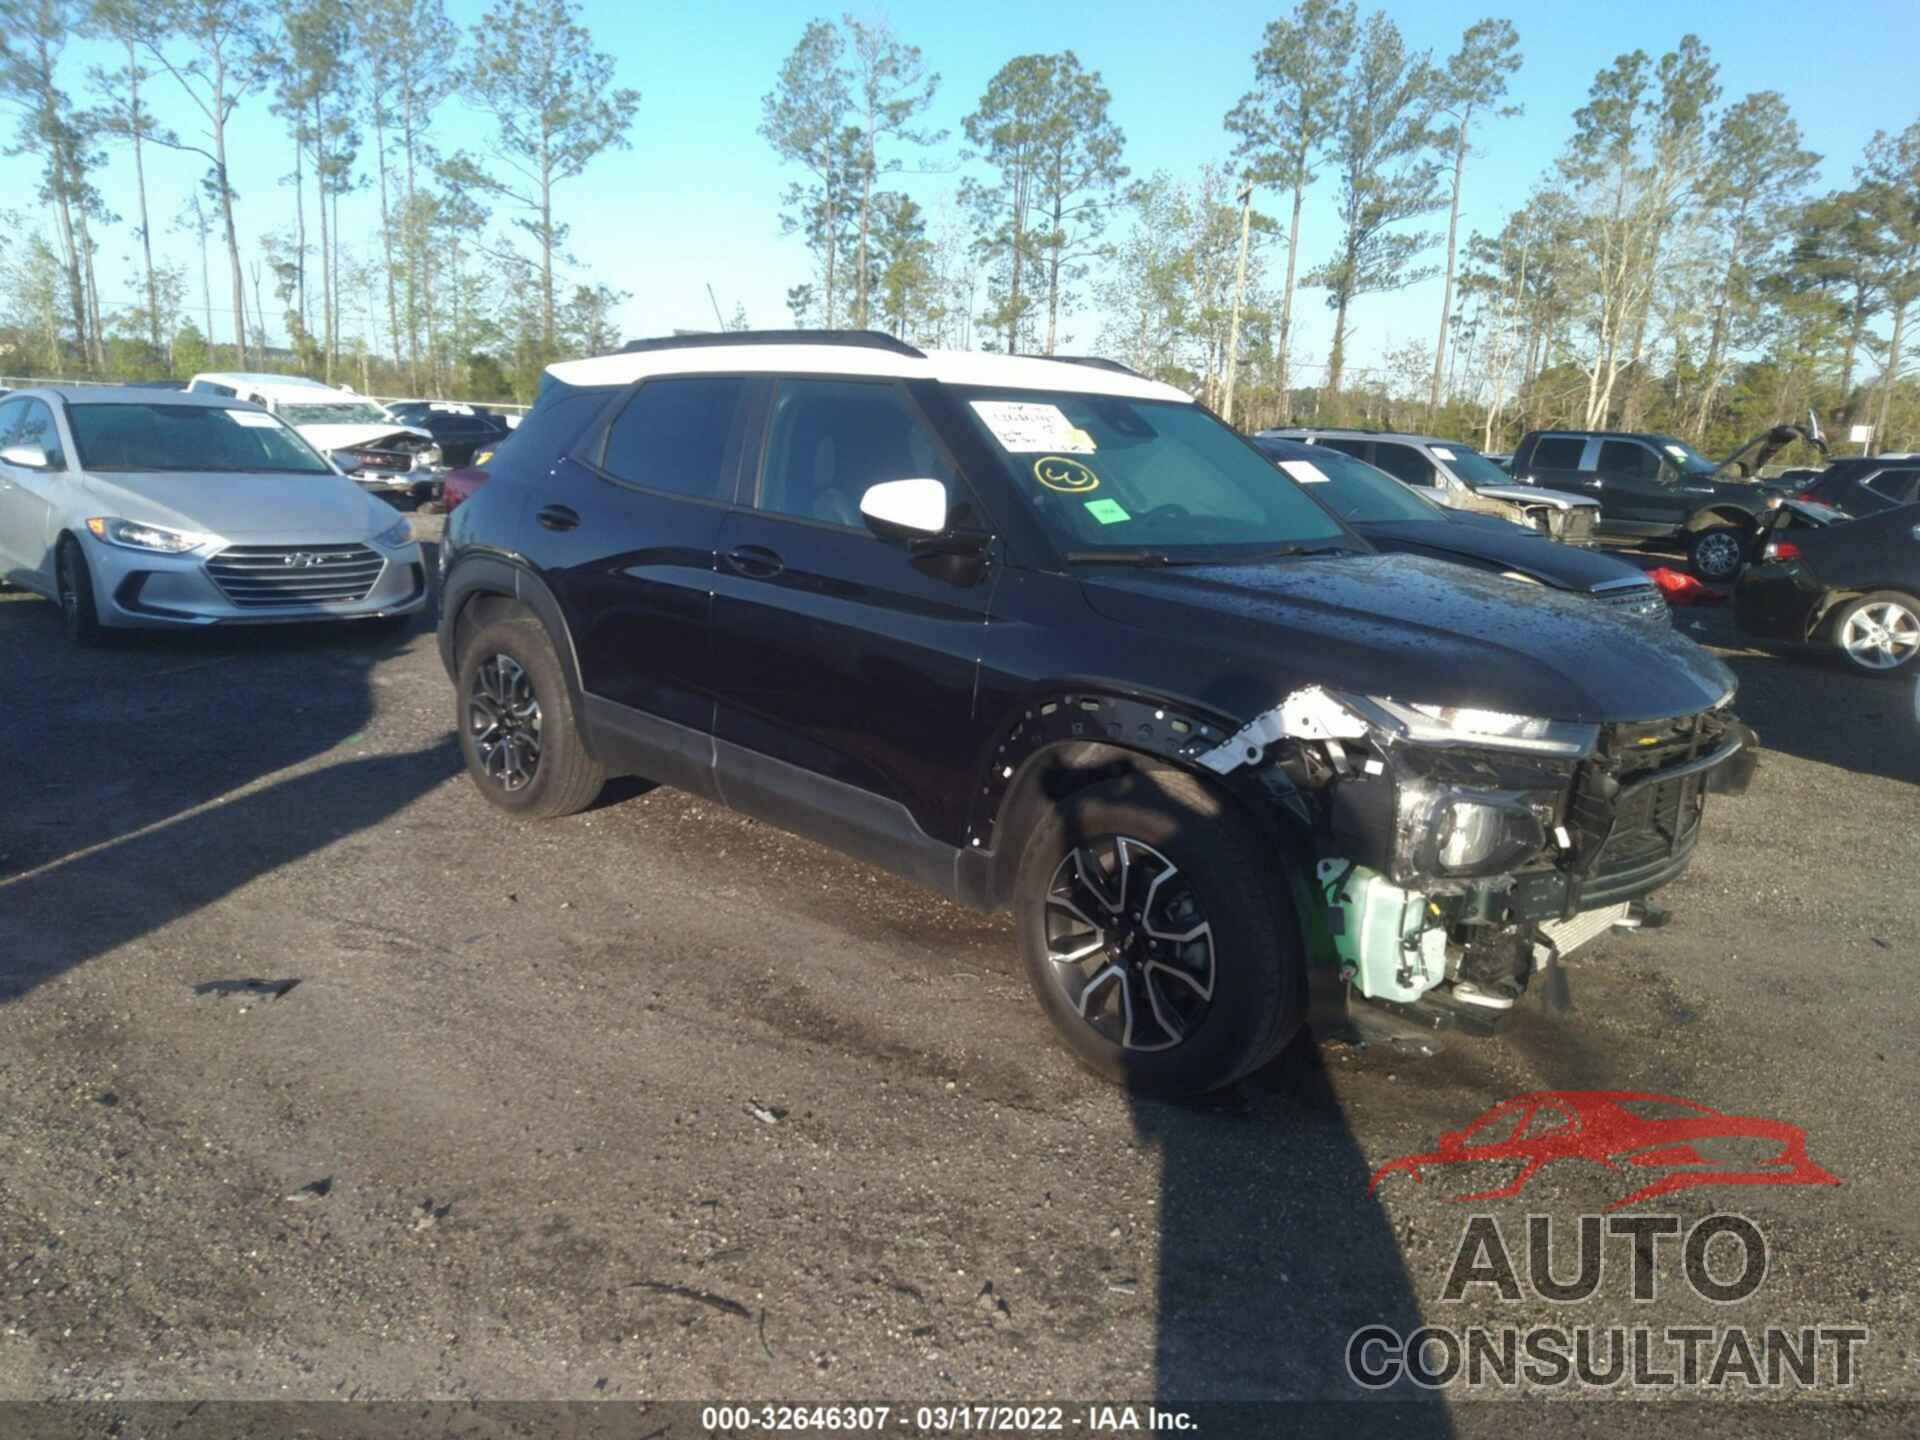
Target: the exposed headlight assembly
pixel 155 539
pixel 1462 833
pixel 1496 729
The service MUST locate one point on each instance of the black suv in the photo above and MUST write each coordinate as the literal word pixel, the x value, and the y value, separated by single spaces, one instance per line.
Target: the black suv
pixel 1048 634
pixel 1654 487
pixel 1861 485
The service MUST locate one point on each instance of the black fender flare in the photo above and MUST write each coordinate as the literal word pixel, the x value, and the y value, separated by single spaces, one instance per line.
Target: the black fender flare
pixel 477 575
pixel 1089 730
pixel 1721 513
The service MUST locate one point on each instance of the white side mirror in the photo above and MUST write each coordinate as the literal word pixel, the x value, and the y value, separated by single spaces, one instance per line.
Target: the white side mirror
pixel 32 457
pixel 906 509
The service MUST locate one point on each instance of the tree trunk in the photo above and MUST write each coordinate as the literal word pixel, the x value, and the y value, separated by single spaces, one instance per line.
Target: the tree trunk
pixel 1286 303
pixel 69 250
pixel 1053 271
pixel 860 254
pixel 327 311
pixel 1895 345
pixel 140 182
pixel 300 230
pixel 96 341
pixel 1446 289
pixel 546 255
pixel 219 112
pixel 1019 249
pixel 386 229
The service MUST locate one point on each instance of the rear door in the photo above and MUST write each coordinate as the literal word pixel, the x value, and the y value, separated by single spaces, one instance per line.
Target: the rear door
pixel 625 528
pixel 845 698
pixel 1405 463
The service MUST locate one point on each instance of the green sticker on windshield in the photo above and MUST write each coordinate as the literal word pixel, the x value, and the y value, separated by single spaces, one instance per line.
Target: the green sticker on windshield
pixel 1107 512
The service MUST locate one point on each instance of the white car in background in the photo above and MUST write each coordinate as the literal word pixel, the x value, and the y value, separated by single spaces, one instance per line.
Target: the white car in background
pixel 357 434
pixel 134 508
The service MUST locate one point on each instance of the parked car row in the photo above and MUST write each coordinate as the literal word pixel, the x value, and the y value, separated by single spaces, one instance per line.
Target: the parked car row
pixel 1049 635
pixel 134 508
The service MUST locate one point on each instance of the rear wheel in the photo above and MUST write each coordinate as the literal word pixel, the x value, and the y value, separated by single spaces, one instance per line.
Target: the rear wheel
pixel 1718 555
pixel 1159 935
pixel 1879 634
pixel 518 731
pixel 74 584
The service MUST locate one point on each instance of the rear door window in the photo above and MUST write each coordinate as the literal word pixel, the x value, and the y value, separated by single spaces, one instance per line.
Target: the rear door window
pixel 678 436
pixel 1558 452
pixel 1896 486
pixel 1629 460
pixel 1356 448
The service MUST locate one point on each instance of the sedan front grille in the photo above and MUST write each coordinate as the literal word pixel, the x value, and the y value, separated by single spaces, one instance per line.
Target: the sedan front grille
pixel 262 575
pixel 1643 602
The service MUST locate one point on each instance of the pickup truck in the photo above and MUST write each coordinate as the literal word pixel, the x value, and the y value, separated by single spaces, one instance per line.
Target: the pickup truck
pixel 1655 487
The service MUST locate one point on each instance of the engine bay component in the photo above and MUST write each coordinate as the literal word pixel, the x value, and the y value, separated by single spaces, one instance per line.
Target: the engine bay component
pixel 1390 943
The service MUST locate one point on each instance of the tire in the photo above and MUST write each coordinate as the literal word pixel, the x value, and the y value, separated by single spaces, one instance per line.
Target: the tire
pixel 1127 997
pixel 73 583
pixel 510 681
pixel 1718 555
pixel 1879 633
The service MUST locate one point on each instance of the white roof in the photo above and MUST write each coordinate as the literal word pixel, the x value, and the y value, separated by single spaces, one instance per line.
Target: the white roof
pixel 953 367
pixel 298 385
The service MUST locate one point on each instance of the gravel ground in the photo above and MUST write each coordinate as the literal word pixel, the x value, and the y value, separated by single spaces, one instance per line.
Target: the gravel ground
pixel 659 1102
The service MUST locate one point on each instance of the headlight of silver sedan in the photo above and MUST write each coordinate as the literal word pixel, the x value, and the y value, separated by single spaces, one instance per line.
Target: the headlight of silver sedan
pixel 133 535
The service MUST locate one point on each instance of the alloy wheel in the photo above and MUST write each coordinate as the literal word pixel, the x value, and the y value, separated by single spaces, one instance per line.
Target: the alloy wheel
pixel 1718 556
pixel 503 716
pixel 1881 636
pixel 1129 948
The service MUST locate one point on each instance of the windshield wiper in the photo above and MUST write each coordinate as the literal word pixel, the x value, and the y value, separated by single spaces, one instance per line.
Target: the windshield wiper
pixel 1157 558
pixel 1291 552
pixel 1117 557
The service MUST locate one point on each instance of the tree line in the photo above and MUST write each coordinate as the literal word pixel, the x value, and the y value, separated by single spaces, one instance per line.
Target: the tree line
pixel 354 88
pixel 1673 269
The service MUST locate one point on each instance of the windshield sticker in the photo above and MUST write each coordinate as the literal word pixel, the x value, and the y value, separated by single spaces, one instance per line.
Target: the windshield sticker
pixel 252 419
pixel 1069 477
pixel 1677 453
pixel 1021 426
pixel 1305 471
pixel 1443 454
pixel 1107 512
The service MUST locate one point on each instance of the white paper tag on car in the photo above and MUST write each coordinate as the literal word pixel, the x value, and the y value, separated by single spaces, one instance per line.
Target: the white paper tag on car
pixel 1305 471
pixel 1443 454
pixel 253 419
pixel 1023 427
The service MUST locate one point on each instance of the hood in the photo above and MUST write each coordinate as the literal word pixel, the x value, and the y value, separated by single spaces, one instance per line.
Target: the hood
pixel 1421 631
pixel 344 437
pixel 248 509
pixel 1534 495
pixel 1509 547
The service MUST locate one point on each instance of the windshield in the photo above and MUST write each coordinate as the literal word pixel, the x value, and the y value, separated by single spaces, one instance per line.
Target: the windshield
pixel 1471 466
pixel 1353 489
pixel 1108 475
pixel 340 412
pixel 188 437
pixel 1690 460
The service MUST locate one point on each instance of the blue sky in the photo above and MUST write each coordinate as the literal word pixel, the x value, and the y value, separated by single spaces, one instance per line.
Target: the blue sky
pixel 695 200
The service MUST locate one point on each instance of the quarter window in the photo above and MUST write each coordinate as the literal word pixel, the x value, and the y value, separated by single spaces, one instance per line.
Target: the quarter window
pixel 1894 485
pixel 828 440
pixel 676 436
pixel 1558 452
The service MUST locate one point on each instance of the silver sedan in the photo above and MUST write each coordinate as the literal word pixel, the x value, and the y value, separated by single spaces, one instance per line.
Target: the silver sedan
pixel 152 509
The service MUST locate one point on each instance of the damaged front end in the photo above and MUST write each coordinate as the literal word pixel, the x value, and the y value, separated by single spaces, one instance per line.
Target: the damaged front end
pixel 407 461
pixel 1458 851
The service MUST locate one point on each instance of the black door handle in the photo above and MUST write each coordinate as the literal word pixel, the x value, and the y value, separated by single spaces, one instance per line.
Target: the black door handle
pixel 558 517
pixel 755 560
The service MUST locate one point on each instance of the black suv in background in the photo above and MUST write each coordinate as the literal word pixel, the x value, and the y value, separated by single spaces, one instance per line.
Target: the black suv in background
pixel 1049 635
pixel 1654 487
pixel 1861 485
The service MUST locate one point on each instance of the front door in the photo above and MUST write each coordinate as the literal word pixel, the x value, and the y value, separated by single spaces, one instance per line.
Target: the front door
pixel 845 698
pixel 28 494
pixel 1641 490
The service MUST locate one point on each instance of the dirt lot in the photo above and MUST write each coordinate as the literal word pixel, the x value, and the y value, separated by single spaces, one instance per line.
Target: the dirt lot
pixel 660 1102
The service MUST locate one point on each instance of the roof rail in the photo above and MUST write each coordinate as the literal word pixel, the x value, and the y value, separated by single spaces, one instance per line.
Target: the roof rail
pixel 861 339
pixel 1098 362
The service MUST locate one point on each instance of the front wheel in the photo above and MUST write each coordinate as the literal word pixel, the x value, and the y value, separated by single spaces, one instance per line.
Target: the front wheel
pixel 518 732
pixel 74 582
pixel 1718 555
pixel 1879 634
pixel 1159 935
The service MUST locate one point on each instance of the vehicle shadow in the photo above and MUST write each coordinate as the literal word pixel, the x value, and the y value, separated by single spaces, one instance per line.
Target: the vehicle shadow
pixel 1808 705
pixel 168 771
